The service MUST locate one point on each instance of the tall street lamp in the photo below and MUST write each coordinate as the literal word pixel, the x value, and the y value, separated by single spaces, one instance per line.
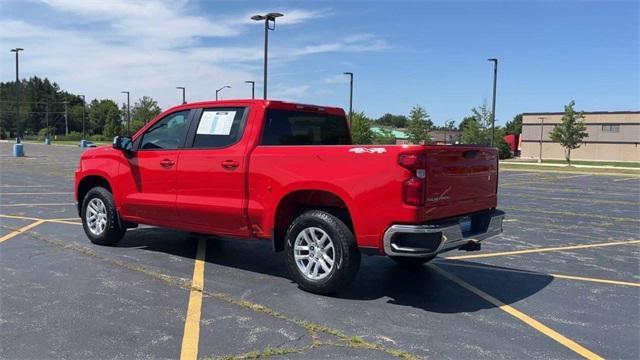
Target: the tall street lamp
pixel 84 106
pixel 350 96
pixel 128 111
pixel 541 118
pixel 184 101
pixel 493 107
pixel 269 24
pixel 17 51
pixel 253 88
pixel 224 87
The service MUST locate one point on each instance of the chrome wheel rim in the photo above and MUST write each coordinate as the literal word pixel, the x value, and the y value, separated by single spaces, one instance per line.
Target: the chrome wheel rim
pixel 314 253
pixel 96 216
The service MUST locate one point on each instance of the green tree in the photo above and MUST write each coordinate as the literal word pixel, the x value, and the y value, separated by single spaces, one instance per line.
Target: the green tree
pixel 571 131
pixel 464 122
pixel 396 121
pixel 384 137
pixel 361 128
pixel 143 111
pixel 476 129
pixel 514 127
pixel 419 126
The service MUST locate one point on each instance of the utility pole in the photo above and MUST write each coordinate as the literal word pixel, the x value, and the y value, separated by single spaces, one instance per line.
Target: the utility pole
pixel 270 17
pixel 66 118
pixel 17 51
pixel 350 96
pixel 541 118
pixel 493 107
pixel 253 88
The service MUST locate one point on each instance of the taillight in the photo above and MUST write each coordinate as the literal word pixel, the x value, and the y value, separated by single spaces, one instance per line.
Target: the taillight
pixel 413 189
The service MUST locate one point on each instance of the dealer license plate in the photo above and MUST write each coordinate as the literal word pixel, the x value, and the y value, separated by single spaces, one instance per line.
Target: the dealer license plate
pixel 465 224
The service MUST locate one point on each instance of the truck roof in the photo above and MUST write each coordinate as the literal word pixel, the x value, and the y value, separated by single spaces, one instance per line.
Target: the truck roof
pixel 278 104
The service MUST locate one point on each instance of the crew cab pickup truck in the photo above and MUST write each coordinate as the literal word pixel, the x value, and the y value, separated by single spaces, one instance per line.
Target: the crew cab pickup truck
pixel 289 174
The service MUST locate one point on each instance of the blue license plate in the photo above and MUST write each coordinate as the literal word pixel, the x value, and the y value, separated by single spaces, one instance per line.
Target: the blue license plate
pixel 465 224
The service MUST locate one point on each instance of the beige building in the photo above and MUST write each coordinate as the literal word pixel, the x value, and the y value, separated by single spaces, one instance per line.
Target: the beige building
pixel 613 136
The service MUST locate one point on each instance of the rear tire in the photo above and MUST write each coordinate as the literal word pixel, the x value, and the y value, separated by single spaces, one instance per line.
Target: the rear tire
pixel 322 254
pixel 411 262
pixel 100 218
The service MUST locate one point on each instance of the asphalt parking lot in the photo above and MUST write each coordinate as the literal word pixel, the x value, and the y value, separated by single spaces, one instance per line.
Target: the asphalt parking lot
pixel 563 281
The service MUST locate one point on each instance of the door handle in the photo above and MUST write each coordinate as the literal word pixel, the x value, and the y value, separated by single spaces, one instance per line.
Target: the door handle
pixel 230 164
pixel 167 163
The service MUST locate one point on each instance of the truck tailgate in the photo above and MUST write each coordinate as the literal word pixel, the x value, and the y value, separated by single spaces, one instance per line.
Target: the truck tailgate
pixel 461 179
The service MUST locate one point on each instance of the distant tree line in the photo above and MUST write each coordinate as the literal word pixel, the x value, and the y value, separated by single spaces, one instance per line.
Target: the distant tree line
pixel 43 111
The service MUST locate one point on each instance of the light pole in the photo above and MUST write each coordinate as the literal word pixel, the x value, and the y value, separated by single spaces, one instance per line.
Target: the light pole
pixel 128 110
pixel 350 95
pixel 66 118
pixel 541 118
pixel 84 106
pixel 224 87
pixel 184 101
pixel 253 88
pixel 268 18
pixel 17 51
pixel 493 107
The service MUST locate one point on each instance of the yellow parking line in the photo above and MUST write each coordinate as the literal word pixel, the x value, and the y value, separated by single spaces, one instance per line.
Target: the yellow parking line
pixel 558 276
pixel 535 324
pixel 37 193
pixel 43 204
pixel 20 231
pixel 191 335
pixel 60 221
pixel 19 217
pixel 543 249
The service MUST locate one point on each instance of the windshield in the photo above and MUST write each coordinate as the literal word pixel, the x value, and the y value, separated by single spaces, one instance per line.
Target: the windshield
pixel 283 127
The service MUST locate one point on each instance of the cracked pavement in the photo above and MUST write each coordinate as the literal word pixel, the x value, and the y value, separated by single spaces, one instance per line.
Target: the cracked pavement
pixel 63 297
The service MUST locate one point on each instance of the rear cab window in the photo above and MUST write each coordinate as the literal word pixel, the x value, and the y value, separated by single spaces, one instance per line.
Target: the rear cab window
pixel 287 127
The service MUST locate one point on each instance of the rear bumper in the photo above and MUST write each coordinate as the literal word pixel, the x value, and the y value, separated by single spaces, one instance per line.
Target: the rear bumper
pixel 433 238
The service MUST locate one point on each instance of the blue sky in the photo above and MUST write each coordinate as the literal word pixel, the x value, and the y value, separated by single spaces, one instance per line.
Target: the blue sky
pixel 402 53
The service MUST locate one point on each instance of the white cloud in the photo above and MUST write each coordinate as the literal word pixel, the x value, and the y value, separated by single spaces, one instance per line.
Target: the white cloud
pixel 150 47
pixel 337 79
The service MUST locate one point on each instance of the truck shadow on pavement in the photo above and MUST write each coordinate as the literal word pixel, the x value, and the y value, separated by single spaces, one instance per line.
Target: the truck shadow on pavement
pixel 379 278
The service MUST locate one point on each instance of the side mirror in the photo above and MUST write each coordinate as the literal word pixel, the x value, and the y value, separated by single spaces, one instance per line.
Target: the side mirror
pixel 123 143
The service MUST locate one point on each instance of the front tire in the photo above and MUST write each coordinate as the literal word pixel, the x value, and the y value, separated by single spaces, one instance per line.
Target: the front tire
pixel 100 218
pixel 322 254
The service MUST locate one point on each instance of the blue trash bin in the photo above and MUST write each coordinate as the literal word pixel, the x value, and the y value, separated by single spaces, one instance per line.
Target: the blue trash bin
pixel 18 150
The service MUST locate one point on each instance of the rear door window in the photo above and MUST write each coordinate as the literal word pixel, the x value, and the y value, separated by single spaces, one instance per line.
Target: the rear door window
pixel 283 127
pixel 219 127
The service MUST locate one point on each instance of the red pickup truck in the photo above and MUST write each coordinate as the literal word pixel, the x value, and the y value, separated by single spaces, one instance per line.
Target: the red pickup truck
pixel 289 174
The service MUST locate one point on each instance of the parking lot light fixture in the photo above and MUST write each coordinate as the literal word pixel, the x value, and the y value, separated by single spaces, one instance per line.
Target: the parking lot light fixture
pixel 184 101
pixel 84 106
pixel 218 91
pixel 493 107
pixel 269 24
pixel 17 51
pixel 253 88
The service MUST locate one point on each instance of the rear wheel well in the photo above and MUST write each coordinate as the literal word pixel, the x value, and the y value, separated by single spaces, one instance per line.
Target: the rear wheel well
pixel 89 183
pixel 298 202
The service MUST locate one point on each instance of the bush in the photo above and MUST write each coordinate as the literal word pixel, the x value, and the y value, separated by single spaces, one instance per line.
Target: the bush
pixel 73 136
pixel 99 137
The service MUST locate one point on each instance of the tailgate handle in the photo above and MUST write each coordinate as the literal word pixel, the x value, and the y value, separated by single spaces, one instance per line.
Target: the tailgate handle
pixel 470 154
